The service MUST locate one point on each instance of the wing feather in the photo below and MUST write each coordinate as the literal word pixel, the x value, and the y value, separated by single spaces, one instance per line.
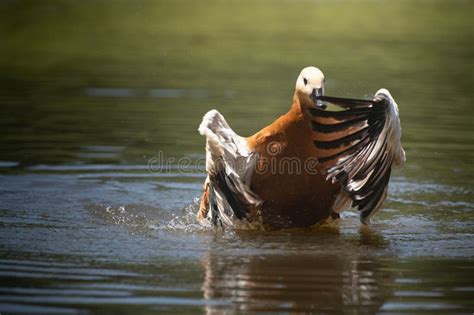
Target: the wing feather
pixel 366 136
pixel 229 164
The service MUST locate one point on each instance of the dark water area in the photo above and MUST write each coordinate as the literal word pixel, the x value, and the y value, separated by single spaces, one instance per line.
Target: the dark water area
pixel 101 164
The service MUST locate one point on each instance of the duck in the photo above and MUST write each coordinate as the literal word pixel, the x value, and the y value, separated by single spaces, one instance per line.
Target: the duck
pixel 324 156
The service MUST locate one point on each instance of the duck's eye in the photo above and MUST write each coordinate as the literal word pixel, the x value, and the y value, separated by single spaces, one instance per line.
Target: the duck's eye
pixel 305 81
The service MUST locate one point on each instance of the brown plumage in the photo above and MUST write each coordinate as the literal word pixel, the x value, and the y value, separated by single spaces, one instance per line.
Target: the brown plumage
pixel 309 163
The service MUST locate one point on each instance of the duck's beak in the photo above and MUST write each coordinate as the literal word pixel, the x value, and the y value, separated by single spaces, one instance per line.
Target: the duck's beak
pixel 314 96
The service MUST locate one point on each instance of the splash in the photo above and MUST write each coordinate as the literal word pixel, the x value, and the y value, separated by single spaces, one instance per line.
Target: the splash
pixel 146 219
pixel 185 221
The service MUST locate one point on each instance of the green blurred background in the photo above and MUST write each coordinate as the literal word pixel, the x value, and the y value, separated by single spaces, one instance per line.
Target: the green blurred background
pixel 119 81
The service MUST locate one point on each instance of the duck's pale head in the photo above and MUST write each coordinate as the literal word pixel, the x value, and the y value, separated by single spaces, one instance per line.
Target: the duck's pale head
pixel 310 83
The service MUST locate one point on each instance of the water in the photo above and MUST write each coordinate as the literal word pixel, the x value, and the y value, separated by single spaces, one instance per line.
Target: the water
pixel 101 163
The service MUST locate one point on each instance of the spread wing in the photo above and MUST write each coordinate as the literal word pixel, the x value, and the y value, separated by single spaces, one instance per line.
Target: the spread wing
pixel 359 143
pixel 229 165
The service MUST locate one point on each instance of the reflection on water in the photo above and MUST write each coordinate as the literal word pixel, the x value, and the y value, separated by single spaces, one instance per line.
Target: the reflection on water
pixel 300 283
pixel 254 283
pixel 92 91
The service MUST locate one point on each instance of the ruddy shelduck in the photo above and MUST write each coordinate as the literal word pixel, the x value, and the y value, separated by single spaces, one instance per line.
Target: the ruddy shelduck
pixel 325 155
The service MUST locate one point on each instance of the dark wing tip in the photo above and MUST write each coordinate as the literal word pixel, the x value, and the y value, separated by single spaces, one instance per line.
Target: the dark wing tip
pixel 224 185
pixel 362 167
